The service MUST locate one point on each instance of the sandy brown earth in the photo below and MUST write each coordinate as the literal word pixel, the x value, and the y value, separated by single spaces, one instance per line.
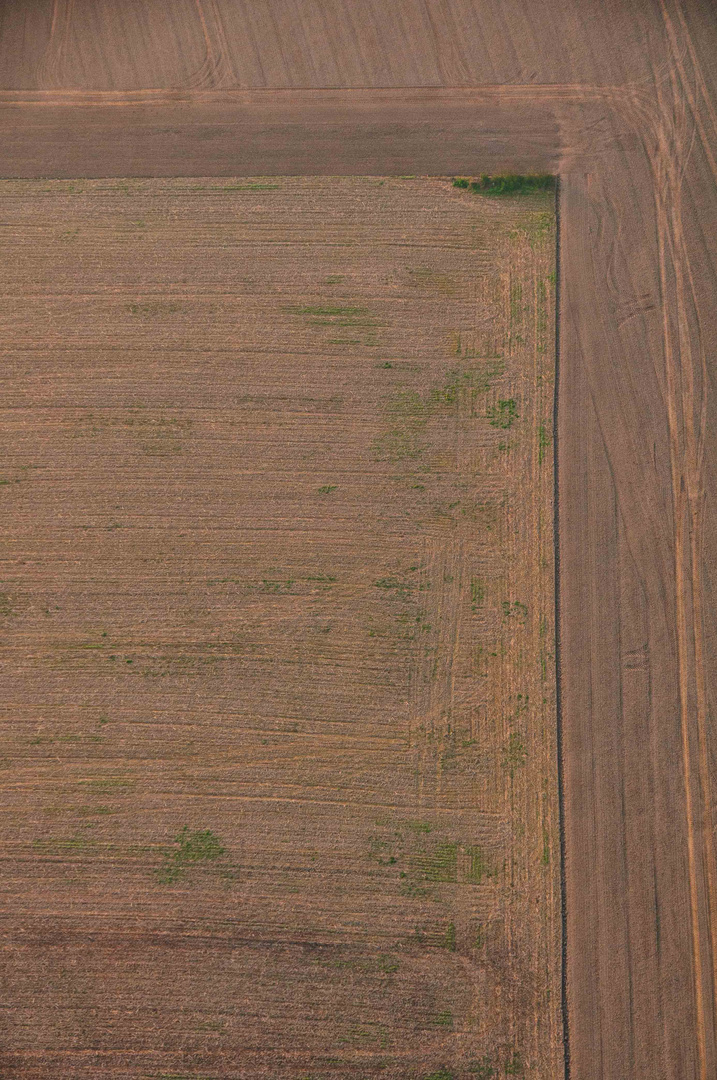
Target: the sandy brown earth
pixel 278 489
pixel 229 133
pixel 225 44
pixel 620 96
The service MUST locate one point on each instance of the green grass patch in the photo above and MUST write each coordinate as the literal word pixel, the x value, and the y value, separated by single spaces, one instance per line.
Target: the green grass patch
pixel 76 737
pixel 329 312
pixel 54 845
pixel 401 589
pixel 183 1076
pixel 110 783
pixel 449 938
pixel 413 891
pixel 409 404
pixel 410 412
pixel 514 753
pixel 271 586
pixel 472 381
pixel 503 413
pixel 82 811
pixel 477 866
pixel 477 593
pixel 426 277
pixel 545 440
pixel 441 864
pixel 251 187
pixel 506 183
pixel 515 610
pixel 483 1069
pixel 419 826
pixel 514 1065
pixel 535 228
pixel 200 846
pixel 541 322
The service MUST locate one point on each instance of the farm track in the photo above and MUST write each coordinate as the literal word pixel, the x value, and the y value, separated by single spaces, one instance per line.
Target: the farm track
pixel 623 105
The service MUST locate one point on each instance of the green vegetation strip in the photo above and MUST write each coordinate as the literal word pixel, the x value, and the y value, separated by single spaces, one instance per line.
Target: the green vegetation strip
pixel 506 184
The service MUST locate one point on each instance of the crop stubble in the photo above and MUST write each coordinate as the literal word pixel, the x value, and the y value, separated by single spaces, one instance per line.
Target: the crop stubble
pixel 278 565
pixel 619 98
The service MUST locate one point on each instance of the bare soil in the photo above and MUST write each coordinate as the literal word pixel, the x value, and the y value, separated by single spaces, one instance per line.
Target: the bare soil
pixel 277 615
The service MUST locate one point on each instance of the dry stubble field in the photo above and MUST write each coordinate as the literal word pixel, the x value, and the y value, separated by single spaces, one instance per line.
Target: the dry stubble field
pixel 277 608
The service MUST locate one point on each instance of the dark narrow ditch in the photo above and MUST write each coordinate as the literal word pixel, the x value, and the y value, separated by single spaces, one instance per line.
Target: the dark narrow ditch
pixel 558 673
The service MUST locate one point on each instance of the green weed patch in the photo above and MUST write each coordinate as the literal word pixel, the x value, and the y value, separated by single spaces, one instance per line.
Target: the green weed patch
pixel 506 183
pixel 201 846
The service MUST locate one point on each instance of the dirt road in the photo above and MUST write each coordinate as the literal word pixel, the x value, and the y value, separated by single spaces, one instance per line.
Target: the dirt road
pixel 624 96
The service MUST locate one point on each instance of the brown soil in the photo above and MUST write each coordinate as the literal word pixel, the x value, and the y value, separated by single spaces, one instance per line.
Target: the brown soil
pixel 620 97
pixel 225 44
pixel 277 485
pixel 230 133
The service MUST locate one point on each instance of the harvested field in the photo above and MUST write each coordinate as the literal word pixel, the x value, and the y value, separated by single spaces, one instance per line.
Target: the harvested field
pixel 202 45
pixel 277 607
pixel 619 98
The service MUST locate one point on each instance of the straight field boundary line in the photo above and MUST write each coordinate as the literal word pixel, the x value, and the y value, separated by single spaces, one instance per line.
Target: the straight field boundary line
pixel 558 674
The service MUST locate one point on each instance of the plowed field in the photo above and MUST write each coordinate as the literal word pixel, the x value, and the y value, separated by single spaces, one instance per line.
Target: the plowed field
pixel 277 614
